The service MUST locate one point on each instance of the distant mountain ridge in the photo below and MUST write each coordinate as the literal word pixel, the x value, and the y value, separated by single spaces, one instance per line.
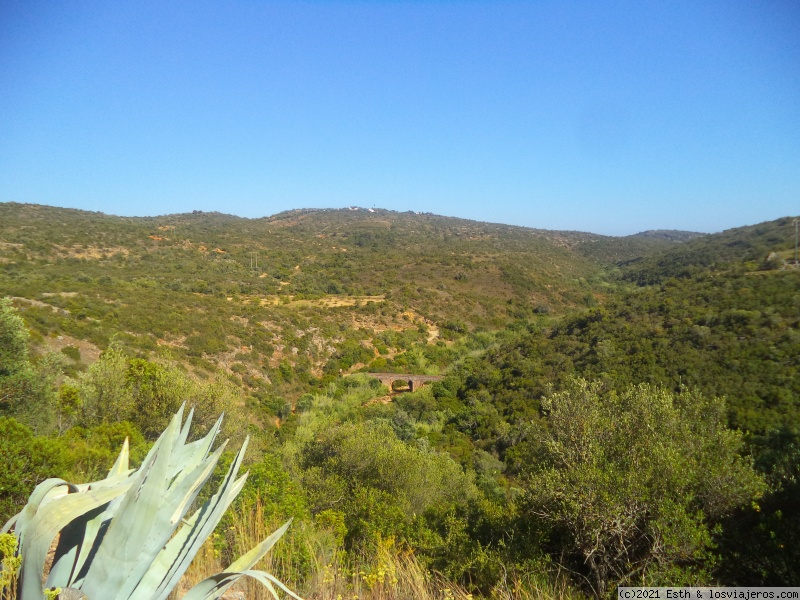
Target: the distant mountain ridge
pixel 741 247
pixel 297 287
pixel 673 235
pixel 303 290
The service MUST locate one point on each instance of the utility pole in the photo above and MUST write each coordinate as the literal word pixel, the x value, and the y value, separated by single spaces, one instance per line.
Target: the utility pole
pixel 254 262
pixel 795 240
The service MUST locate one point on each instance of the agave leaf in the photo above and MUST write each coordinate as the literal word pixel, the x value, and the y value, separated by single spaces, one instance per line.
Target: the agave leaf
pixel 62 567
pixel 150 454
pixel 156 577
pixel 186 457
pixel 108 482
pixel 46 523
pixel 9 524
pixel 192 537
pixel 184 435
pixel 248 560
pixel 171 511
pixel 121 464
pixel 185 491
pixel 181 447
pixel 118 554
pixel 213 587
pixel 126 537
pixel 70 541
pixel 178 553
pixel 93 535
pixel 41 495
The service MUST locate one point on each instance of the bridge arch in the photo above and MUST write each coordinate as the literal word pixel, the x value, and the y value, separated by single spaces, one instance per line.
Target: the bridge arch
pixel 415 382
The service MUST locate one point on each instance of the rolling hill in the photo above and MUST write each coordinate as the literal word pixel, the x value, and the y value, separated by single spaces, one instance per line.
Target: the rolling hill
pixel 294 290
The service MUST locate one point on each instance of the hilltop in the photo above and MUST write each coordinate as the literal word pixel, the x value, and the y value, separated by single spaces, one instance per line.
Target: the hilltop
pixel 305 291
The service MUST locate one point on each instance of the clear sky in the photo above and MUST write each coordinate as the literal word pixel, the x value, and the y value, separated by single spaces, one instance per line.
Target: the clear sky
pixel 612 117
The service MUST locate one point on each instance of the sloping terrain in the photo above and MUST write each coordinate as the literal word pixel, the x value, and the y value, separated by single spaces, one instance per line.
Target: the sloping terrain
pixel 718 316
pixel 294 290
pixel 763 246
pixel 284 306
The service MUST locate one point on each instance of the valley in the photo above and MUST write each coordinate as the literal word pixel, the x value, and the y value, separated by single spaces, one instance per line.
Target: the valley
pixel 556 363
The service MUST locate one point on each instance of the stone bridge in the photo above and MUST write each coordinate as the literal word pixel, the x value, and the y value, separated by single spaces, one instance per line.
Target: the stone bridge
pixel 414 382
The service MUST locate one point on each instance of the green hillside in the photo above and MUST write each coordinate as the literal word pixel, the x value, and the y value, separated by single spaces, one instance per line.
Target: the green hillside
pixel 755 247
pixel 613 410
pixel 311 291
pixel 719 315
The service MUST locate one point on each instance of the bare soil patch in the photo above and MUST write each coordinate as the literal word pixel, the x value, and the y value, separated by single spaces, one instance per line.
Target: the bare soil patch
pixel 91 252
pixel 89 352
pixel 325 302
pixel 41 304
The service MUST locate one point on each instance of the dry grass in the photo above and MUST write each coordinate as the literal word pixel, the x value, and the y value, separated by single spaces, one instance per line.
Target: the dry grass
pixel 389 575
pixel 330 301
pixel 326 572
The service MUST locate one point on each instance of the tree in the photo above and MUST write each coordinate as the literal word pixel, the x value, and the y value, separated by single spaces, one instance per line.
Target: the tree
pixel 26 390
pixel 120 388
pixel 13 340
pixel 759 544
pixel 15 369
pixel 631 484
pixel 26 460
pixel 354 469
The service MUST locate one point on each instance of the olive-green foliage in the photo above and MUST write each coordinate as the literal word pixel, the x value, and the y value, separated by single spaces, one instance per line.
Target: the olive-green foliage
pixel 353 468
pixel 26 389
pixel 81 454
pixel 632 483
pixel 97 277
pixel 727 334
pixel 104 395
pixel 342 400
pixel 723 326
pixel 71 352
pixel 10 563
pixel 746 248
pixel 27 460
pixel 89 452
pixel 714 313
pixel 272 486
pixel 349 353
pixel 368 471
pixel 271 496
pixel 13 340
pixel 759 543
pixel 120 388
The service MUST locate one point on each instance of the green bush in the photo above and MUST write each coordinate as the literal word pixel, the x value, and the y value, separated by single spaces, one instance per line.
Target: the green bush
pixel 633 483
pixel 27 460
pixel 71 352
pixel 352 468
pixel 147 394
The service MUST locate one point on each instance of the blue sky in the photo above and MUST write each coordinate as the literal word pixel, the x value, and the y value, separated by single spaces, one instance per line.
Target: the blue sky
pixel 611 117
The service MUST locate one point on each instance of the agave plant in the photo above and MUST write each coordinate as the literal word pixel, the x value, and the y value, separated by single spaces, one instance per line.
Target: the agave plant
pixel 128 537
